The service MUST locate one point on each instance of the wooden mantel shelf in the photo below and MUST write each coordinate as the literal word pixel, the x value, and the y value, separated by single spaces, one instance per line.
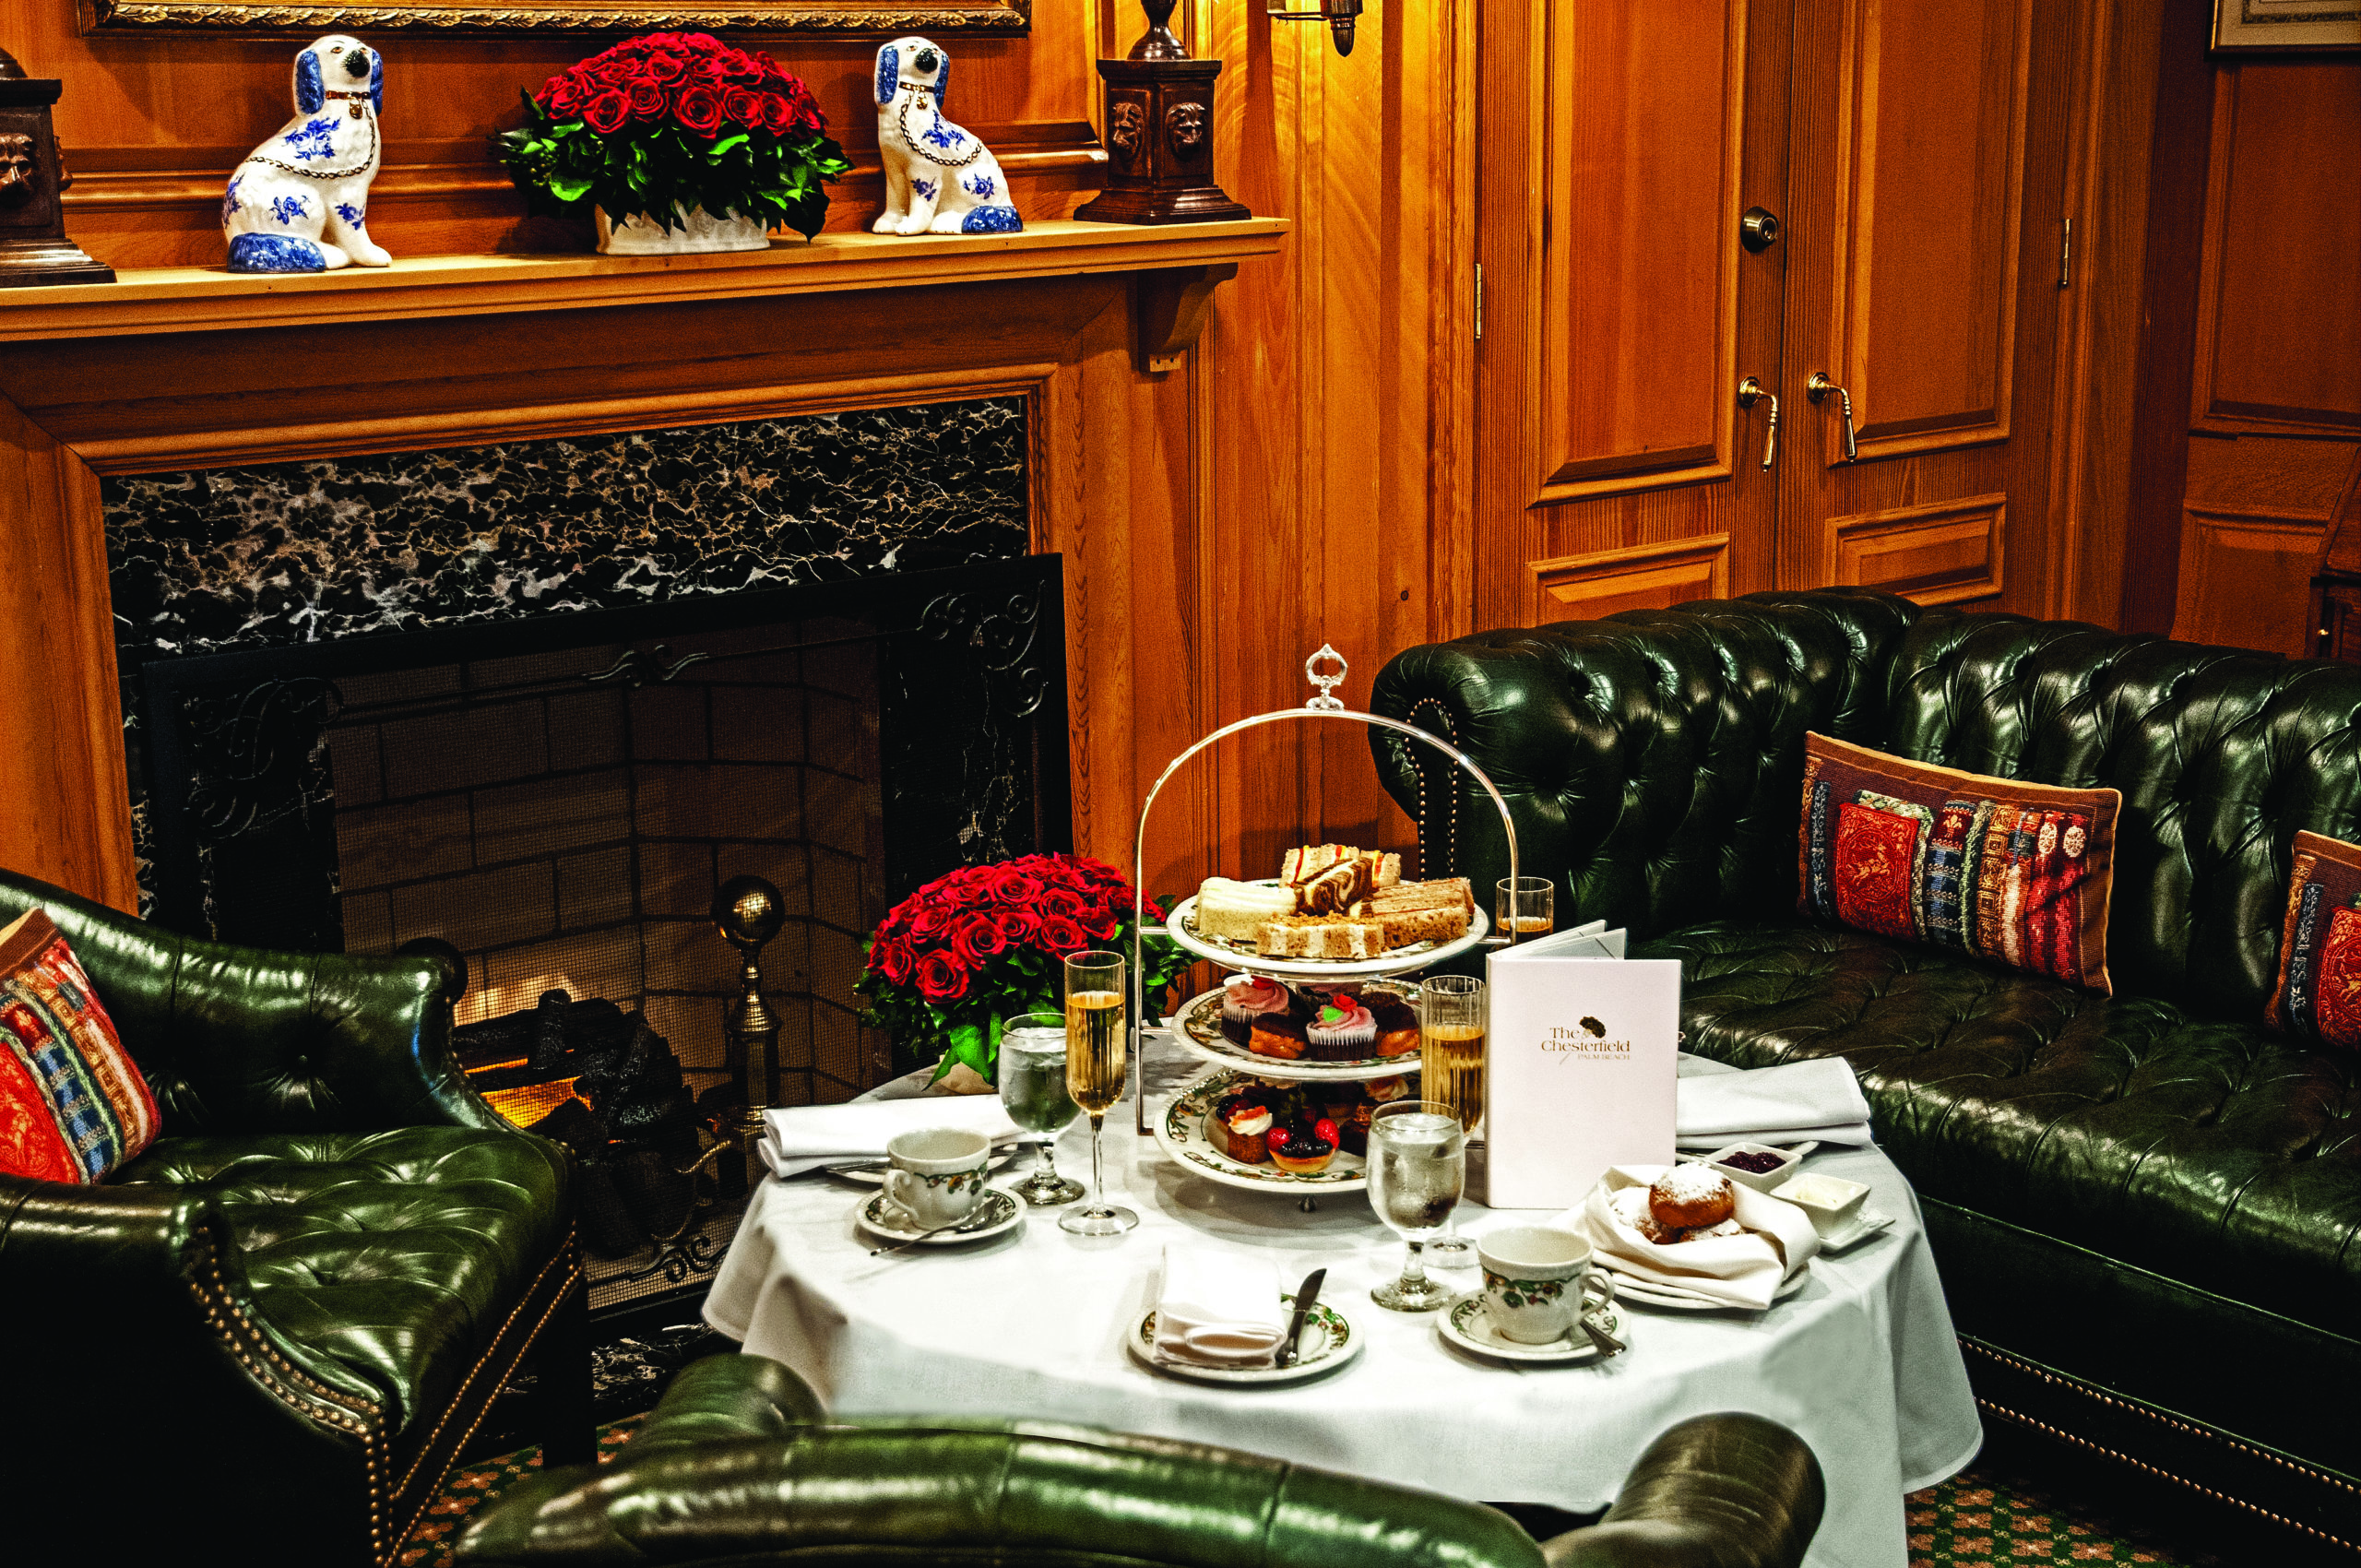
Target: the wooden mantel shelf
pixel 208 299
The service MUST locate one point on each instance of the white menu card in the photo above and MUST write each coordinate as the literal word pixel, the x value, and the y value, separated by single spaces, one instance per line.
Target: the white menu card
pixel 1584 1050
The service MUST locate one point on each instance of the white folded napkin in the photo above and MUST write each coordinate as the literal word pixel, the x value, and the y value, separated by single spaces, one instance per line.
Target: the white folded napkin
pixel 1818 1100
pixel 804 1137
pixel 1217 1308
pixel 1744 1270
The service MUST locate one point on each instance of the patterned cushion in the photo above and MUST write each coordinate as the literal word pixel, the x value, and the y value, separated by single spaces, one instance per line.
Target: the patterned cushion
pixel 2318 993
pixel 73 1105
pixel 2011 872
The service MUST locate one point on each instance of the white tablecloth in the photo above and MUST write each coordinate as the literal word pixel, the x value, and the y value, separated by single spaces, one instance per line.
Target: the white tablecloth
pixel 1861 1362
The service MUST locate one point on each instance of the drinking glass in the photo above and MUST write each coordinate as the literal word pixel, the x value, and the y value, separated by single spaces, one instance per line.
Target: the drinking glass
pixel 1033 1092
pixel 1526 907
pixel 1451 1035
pixel 1418 1166
pixel 1096 1058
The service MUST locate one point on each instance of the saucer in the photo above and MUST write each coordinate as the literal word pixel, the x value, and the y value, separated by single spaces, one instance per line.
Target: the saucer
pixel 1000 1211
pixel 1328 1343
pixel 1464 1323
pixel 1865 1225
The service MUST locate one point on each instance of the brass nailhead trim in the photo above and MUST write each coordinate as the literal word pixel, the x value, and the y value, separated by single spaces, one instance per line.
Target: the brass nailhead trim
pixel 1451 827
pixel 565 1254
pixel 2186 1428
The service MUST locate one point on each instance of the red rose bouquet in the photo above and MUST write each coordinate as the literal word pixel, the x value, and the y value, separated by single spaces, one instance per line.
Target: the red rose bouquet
pixel 676 120
pixel 984 943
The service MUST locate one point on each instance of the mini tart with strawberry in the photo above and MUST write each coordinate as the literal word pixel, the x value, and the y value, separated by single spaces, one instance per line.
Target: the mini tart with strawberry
pixel 1240 1124
pixel 1303 1148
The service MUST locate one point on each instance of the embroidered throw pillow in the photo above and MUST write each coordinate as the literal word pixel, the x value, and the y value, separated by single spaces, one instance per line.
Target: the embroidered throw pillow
pixel 2016 872
pixel 73 1105
pixel 2318 993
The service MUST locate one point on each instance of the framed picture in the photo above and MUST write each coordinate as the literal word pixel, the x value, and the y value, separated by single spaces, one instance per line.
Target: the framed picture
pixel 839 18
pixel 2286 24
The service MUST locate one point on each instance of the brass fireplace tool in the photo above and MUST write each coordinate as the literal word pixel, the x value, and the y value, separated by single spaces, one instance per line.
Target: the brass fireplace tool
pixel 749 912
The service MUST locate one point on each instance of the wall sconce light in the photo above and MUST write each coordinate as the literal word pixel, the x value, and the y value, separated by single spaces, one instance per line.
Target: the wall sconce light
pixel 1339 15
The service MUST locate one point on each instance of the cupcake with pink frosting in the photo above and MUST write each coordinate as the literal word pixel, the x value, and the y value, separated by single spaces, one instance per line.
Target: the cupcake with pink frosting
pixel 1343 1030
pixel 1246 999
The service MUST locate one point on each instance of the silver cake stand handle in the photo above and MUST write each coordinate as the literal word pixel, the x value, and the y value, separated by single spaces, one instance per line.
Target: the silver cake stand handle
pixel 1326 705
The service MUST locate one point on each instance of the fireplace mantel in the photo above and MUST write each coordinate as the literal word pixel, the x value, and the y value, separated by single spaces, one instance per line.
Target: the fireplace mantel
pixel 194 368
pixel 211 299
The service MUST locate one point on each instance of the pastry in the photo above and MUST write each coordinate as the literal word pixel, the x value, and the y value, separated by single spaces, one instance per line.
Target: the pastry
pixel 1319 936
pixel 1304 863
pixel 1344 1030
pixel 1630 1205
pixel 1334 890
pixel 1237 1126
pixel 1303 1148
pixel 1276 1034
pixel 1449 892
pixel 1419 911
pixel 1691 1196
pixel 1247 998
pixel 1709 1232
pixel 1234 911
pixel 1397 1025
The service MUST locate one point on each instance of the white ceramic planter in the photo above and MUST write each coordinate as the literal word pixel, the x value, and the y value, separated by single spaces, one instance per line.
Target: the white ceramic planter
pixel 691 234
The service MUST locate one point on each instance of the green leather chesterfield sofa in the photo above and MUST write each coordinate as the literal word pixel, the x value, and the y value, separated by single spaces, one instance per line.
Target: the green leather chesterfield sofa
pixel 735 1469
pixel 265 1338
pixel 2146 1209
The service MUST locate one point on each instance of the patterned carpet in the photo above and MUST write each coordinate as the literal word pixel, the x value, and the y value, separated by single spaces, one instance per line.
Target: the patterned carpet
pixel 1973 1520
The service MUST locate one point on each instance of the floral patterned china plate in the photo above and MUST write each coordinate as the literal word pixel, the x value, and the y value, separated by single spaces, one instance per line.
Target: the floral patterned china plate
pixel 1464 1323
pixel 1180 1133
pixel 999 1213
pixel 1181 926
pixel 1197 1026
pixel 1328 1342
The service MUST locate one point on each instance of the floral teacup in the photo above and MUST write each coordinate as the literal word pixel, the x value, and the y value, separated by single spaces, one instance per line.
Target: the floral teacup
pixel 938 1176
pixel 1538 1282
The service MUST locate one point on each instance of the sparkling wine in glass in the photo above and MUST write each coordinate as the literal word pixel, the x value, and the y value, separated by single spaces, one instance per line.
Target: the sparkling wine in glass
pixel 1096 1058
pixel 1526 908
pixel 1418 1168
pixel 1033 1092
pixel 1452 1020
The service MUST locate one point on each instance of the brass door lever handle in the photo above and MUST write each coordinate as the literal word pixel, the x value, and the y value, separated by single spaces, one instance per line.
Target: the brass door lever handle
pixel 1748 391
pixel 1820 386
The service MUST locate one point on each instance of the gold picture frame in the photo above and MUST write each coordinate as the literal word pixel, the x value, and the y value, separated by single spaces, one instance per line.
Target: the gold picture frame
pixel 2284 25
pixel 839 18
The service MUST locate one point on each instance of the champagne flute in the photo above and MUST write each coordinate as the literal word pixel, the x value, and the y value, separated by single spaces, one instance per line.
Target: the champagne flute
pixel 1418 1168
pixel 1451 1036
pixel 1033 1092
pixel 1096 1059
pixel 1526 907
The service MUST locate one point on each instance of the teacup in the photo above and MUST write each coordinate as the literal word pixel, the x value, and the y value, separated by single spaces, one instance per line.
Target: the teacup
pixel 937 1177
pixel 1538 1282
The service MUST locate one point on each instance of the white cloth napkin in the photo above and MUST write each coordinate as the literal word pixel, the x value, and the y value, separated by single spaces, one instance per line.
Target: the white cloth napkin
pixel 1787 1104
pixel 1217 1308
pixel 1727 1271
pixel 804 1137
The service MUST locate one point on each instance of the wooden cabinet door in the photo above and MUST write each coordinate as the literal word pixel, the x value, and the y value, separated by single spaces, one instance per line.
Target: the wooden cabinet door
pixel 1926 177
pixel 1622 142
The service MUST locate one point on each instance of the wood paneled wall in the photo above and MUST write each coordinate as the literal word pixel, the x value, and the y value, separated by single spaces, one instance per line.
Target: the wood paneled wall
pixel 151 126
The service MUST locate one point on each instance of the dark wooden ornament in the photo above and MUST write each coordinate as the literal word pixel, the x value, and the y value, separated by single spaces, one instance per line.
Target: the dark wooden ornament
pixel 34 250
pixel 1161 135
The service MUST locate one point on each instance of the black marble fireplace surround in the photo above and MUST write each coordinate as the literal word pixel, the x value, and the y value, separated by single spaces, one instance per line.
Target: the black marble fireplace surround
pixel 536 697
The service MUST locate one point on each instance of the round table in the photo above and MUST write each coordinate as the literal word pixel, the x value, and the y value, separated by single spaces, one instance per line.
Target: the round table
pixel 1861 1361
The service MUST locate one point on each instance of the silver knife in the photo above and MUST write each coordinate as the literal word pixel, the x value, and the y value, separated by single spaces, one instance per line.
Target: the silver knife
pixel 1304 1297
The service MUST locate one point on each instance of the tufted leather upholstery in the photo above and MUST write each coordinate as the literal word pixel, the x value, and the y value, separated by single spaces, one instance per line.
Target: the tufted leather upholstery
pixel 734 1467
pixel 300 1298
pixel 1653 764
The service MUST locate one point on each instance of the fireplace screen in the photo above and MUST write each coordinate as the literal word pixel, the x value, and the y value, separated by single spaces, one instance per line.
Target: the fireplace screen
pixel 559 798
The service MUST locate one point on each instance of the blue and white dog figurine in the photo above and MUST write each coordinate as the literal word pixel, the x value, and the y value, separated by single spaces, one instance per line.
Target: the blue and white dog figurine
pixel 300 202
pixel 938 176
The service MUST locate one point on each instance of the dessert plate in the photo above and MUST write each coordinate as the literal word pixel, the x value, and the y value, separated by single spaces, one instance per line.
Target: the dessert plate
pixel 1328 1343
pixel 1197 1026
pixel 1865 1225
pixel 1180 1133
pixel 1464 1322
pixel 999 1213
pixel 1629 1288
pixel 1181 926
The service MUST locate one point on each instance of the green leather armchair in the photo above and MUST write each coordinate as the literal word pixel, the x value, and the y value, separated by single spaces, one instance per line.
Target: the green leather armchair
pixel 735 1467
pixel 2146 1208
pixel 275 1329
